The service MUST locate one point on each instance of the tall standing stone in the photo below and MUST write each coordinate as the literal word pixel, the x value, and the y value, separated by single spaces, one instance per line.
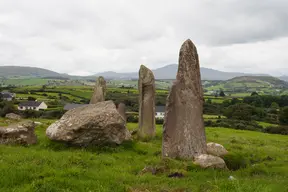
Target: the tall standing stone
pixel 183 129
pixel 146 87
pixel 99 91
pixel 121 108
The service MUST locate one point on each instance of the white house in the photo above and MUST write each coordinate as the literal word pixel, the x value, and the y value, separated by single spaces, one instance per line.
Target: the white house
pixel 32 105
pixel 159 112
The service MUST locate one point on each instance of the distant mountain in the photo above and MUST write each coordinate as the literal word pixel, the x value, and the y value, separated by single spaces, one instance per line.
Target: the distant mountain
pixel 17 71
pixel 257 81
pixel 169 72
pixel 284 78
pixel 166 72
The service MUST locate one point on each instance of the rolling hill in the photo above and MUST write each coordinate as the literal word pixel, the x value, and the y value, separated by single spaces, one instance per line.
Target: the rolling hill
pixel 169 72
pixel 249 84
pixel 18 71
pixel 284 78
pixel 166 72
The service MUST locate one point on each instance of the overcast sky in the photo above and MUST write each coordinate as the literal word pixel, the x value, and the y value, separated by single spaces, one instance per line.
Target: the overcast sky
pixel 90 36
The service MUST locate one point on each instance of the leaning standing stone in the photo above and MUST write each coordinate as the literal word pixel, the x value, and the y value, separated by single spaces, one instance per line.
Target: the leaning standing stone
pixel 183 129
pixel 99 91
pixel 146 87
pixel 121 108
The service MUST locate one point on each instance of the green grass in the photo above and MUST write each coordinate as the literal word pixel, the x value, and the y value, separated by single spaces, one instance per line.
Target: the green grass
pixel 26 82
pixel 50 166
pixel 264 124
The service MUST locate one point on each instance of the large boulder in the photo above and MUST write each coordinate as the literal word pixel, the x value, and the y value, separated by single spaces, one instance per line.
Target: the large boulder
pixel 183 130
pixel 20 133
pixel 210 161
pixel 216 149
pixel 13 116
pixel 93 124
pixel 99 91
pixel 146 87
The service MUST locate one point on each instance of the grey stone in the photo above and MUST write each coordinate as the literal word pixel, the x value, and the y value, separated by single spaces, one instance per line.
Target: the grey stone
pixel 121 108
pixel 21 133
pixel 146 87
pixel 93 124
pixel 216 149
pixel 13 116
pixel 99 91
pixel 210 161
pixel 183 130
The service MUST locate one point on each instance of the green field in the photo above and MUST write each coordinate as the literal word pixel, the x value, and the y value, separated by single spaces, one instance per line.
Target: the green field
pixel 48 166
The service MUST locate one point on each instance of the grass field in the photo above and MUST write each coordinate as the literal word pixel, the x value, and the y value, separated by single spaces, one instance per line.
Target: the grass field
pixel 50 166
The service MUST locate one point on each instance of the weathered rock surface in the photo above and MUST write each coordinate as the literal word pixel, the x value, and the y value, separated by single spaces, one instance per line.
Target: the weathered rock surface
pixel 121 108
pixel 216 149
pixel 99 91
pixel 93 124
pixel 146 87
pixel 210 161
pixel 13 116
pixel 21 133
pixel 183 129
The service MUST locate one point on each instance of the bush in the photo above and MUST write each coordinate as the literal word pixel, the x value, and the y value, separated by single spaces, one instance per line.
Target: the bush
pixel 235 161
pixel 159 121
pixel 283 117
pixel 234 124
pixel 240 111
pixel 31 114
pixel 132 119
pixel 53 114
pixel 283 130
pixel 6 107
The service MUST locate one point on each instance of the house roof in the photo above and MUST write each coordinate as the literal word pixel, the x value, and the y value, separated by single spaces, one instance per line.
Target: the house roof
pixel 160 108
pixel 30 104
pixel 6 95
pixel 70 106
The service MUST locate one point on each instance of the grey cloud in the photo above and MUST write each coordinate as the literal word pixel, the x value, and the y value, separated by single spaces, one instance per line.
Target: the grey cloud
pixel 96 36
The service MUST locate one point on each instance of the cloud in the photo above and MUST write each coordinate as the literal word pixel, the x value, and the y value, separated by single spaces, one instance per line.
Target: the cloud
pixel 89 36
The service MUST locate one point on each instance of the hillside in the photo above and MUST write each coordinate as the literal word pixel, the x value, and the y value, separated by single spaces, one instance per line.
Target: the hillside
pixel 18 71
pixel 284 78
pixel 170 71
pixel 258 162
pixel 265 84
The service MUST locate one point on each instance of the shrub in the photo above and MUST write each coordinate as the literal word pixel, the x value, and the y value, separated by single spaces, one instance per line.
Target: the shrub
pixel 159 121
pixel 283 130
pixel 235 161
pixel 132 119
pixel 283 117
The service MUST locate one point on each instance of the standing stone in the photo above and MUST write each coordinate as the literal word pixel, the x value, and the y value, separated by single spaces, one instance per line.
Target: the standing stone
pixel 146 87
pixel 121 108
pixel 183 129
pixel 99 91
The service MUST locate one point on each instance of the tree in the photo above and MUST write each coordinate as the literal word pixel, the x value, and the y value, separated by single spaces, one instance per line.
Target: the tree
pixel 209 101
pixel 240 111
pixel 254 93
pixel 283 117
pixel 222 94
pixel 31 98
pixel 274 105
pixel 6 107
